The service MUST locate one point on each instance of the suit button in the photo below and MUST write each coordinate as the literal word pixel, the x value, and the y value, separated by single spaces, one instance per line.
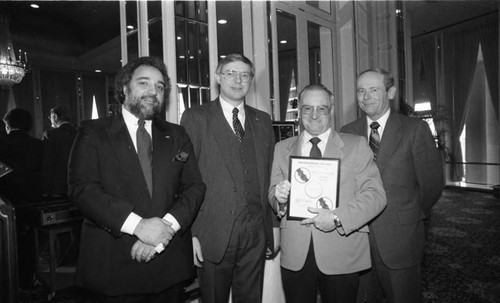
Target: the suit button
pixel 234 189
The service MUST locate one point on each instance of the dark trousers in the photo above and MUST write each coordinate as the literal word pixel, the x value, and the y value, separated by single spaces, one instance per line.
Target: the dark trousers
pixel 301 286
pixel 382 284
pixel 174 294
pixel 242 267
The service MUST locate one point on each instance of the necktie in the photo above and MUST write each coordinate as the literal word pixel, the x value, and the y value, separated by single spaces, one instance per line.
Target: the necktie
pixel 374 139
pixel 145 153
pixel 238 128
pixel 315 151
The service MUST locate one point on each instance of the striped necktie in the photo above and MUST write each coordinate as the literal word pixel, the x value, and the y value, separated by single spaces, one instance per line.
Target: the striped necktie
pixel 238 128
pixel 375 139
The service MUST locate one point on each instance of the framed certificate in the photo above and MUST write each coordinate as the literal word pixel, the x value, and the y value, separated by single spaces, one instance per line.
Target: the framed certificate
pixel 314 183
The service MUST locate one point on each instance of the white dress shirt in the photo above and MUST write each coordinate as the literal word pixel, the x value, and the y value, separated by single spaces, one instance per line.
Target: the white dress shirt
pixel 382 121
pixel 227 109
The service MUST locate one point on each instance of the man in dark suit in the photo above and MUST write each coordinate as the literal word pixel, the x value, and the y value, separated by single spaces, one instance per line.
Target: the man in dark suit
pixel 23 154
pixel 412 172
pixel 314 254
pixel 57 143
pixel 22 186
pixel 234 145
pixel 136 180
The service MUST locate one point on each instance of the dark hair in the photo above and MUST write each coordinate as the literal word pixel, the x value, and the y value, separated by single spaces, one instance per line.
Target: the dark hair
pixel 319 87
pixel 62 113
pixel 388 77
pixel 19 118
pixel 124 76
pixel 234 58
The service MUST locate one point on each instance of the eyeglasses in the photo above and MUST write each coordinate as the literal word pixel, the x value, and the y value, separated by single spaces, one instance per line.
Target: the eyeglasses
pixel 308 110
pixel 371 91
pixel 232 74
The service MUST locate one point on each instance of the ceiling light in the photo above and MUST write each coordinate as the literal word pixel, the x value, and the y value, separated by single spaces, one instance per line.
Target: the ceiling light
pixel 222 56
pixel 97 70
pixel 33 5
pixel 179 38
pixel 283 42
pixel 222 21
pixel 130 26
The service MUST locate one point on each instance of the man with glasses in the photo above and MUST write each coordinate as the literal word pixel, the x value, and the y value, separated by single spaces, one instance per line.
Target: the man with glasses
pixel 331 248
pixel 234 145
pixel 412 171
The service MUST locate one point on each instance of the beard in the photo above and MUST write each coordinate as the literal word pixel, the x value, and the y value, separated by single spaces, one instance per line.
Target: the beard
pixel 144 107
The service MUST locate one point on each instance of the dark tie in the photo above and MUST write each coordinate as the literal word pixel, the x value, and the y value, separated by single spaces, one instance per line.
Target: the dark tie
pixel 315 151
pixel 238 128
pixel 145 153
pixel 375 139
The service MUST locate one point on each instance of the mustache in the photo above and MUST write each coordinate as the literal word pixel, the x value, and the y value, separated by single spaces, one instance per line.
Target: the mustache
pixel 153 97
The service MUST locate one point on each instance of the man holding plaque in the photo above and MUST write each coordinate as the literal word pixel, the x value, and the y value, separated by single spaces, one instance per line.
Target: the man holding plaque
pixel 412 171
pixel 330 247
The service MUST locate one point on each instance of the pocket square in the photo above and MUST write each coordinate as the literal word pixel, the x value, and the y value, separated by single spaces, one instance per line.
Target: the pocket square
pixel 182 156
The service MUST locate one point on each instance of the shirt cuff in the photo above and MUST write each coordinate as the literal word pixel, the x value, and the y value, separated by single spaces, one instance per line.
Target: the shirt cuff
pixel 175 225
pixel 131 223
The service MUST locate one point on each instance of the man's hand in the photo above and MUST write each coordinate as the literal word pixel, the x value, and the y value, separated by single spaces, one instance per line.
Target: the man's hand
pixel 282 190
pixel 154 231
pixel 142 252
pixel 197 256
pixel 324 221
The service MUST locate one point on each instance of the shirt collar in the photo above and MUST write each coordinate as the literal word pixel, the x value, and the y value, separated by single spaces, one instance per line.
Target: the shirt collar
pixel 382 121
pixel 227 108
pixel 132 120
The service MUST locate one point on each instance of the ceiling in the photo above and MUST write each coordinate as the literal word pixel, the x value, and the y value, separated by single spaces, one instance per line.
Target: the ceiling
pixel 84 35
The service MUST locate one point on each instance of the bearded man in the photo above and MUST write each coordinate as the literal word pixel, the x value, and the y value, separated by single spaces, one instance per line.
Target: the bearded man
pixel 135 179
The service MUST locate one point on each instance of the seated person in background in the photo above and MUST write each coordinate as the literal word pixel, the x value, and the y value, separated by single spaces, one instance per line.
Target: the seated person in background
pixel 57 143
pixel 23 154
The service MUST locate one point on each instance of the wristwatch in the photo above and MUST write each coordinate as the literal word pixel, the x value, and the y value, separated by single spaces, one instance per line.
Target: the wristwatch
pixel 338 225
pixel 337 222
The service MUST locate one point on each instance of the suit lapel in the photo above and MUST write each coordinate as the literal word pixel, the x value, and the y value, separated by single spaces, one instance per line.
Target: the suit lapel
pixel 123 146
pixel 334 146
pixel 163 154
pixel 390 140
pixel 219 127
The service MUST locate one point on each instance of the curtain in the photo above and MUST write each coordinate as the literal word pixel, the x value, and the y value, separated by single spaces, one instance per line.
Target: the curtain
pixel 287 64
pixel 464 50
pixel 489 46
pixel 424 76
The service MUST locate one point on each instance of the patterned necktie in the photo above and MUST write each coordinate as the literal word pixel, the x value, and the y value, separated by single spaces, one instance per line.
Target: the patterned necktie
pixel 315 151
pixel 145 153
pixel 238 128
pixel 375 139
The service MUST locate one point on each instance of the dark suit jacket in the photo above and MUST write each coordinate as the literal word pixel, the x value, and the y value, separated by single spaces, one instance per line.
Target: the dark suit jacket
pixel 23 153
pixel 107 183
pixel 57 145
pixel 214 223
pixel 411 168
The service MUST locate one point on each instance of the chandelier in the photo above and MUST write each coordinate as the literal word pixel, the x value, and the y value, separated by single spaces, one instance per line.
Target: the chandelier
pixel 12 69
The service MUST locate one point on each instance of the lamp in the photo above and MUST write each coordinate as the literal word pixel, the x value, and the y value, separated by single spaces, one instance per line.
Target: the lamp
pixel 12 70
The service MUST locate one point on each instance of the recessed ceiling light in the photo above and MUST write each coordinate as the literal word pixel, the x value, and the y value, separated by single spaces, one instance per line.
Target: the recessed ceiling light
pixel 97 70
pixel 179 38
pixel 283 42
pixel 130 26
pixel 222 56
pixel 222 21
pixel 182 57
pixel 33 5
